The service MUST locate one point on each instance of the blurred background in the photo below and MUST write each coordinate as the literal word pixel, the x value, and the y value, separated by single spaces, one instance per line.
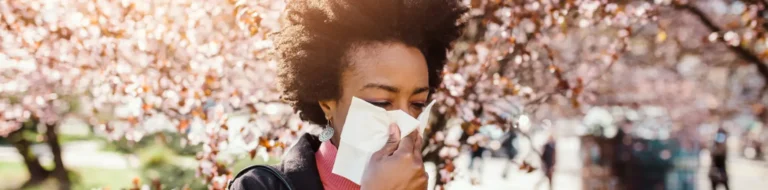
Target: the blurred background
pixel 537 94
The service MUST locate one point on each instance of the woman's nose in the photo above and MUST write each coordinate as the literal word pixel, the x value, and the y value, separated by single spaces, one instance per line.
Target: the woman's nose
pixel 406 107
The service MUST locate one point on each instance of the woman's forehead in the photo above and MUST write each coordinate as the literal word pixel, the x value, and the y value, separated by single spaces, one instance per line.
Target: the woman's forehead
pixel 387 64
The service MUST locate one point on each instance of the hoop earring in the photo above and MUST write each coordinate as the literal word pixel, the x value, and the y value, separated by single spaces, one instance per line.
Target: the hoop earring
pixel 327 133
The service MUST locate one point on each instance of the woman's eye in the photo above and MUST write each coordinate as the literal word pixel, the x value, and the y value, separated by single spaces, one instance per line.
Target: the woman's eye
pixel 381 104
pixel 419 105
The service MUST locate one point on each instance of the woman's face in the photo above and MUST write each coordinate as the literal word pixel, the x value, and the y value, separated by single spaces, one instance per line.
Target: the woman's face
pixel 389 75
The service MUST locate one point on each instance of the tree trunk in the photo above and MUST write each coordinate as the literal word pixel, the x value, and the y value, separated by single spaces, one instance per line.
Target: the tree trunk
pixel 59 171
pixel 36 171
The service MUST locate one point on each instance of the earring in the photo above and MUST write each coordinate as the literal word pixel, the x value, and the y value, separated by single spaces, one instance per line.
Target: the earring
pixel 327 132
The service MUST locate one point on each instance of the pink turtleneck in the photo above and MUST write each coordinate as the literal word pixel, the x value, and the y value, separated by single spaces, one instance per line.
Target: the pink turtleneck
pixel 325 157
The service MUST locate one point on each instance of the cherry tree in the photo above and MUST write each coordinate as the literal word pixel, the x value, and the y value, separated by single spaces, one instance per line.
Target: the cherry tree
pixel 516 56
pixel 119 64
pixel 543 60
pixel 205 69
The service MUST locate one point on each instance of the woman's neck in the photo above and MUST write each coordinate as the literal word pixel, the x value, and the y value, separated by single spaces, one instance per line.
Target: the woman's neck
pixel 335 141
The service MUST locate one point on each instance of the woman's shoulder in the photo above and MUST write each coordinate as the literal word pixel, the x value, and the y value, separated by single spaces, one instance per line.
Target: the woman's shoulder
pixel 259 177
pixel 297 165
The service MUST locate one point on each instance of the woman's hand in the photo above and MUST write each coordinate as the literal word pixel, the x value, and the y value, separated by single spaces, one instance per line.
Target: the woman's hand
pixel 398 165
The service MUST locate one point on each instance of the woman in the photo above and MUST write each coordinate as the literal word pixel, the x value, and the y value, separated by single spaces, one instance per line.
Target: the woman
pixel 387 52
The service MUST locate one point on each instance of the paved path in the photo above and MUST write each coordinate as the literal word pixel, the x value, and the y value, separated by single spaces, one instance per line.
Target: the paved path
pixel 567 176
pixel 744 174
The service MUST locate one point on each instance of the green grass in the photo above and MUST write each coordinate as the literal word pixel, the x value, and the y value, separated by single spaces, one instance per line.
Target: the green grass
pixel 14 174
pixel 98 177
pixel 158 161
pixel 63 139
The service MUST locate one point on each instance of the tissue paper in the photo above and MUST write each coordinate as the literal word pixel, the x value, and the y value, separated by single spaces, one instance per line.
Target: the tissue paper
pixel 366 130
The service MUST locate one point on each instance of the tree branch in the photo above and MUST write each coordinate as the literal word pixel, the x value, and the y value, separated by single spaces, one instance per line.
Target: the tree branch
pixel 739 50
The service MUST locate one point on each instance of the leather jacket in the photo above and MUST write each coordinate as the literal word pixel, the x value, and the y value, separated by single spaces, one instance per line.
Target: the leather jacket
pixel 297 170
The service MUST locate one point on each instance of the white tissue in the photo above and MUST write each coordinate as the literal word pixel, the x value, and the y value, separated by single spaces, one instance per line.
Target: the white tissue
pixel 366 130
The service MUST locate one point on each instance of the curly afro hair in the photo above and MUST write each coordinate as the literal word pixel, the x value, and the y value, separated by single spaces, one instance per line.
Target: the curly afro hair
pixel 317 34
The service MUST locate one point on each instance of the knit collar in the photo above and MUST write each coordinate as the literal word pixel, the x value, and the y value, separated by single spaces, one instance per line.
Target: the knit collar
pixel 325 158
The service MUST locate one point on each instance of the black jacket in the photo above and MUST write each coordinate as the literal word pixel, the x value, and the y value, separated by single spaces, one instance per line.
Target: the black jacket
pixel 298 168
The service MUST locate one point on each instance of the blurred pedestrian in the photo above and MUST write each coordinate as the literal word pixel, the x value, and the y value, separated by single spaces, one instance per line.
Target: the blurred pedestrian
pixel 507 145
pixel 548 159
pixel 477 145
pixel 684 154
pixel 717 173
pixel 753 140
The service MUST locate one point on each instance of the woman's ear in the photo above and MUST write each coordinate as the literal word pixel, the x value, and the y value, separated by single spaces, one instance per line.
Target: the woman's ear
pixel 329 107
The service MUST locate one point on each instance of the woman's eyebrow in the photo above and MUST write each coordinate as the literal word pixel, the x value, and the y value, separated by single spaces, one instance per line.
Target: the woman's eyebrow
pixel 421 90
pixel 381 86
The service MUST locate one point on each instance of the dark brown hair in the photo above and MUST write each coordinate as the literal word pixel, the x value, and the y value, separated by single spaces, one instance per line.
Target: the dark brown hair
pixel 317 35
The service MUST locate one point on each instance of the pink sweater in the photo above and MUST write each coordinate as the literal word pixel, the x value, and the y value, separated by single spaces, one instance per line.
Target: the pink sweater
pixel 325 157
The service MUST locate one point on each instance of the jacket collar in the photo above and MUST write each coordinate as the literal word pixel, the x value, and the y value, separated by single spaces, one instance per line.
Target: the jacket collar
pixel 298 163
